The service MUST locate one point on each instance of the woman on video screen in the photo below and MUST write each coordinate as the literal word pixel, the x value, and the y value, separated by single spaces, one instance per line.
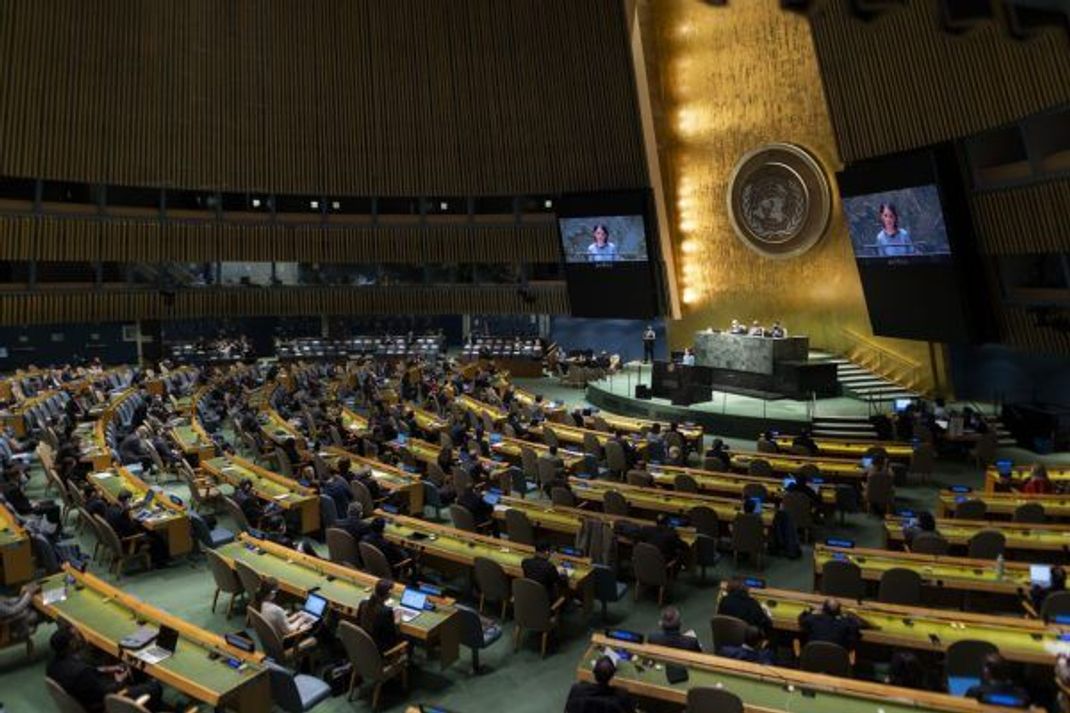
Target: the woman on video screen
pixel 600 249
pixel 892 241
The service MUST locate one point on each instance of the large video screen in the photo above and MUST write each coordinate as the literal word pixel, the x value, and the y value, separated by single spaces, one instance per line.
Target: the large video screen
pixel 904 224
pixel 604 239
pixel 611 264
pixel 912 238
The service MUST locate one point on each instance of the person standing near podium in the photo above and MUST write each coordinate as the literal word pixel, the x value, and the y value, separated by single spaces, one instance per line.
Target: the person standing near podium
pixel 649 337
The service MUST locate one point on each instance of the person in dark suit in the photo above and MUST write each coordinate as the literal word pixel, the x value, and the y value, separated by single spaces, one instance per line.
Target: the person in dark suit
pixel 89 684
pixel 338 490
pixel 600 696
pixel 119 517
pixel 997 678
pixel 669 633
pixel 248 502
pixel 353 522
pixel 664 536
pixel 738 602
pixel 805 440
pixel 481 510
pixel 556 460
pixel 539 568
pixel 394 554
pixel 719 451
pixel 830 624
pixel 752 649
pixel 377 619
pixel 289 448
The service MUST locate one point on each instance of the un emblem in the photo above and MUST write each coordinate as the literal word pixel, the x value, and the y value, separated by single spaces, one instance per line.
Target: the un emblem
pixel 779 200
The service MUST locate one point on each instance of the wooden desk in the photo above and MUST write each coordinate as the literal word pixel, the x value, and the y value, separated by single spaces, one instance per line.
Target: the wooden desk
pixel 402 485
pixel 192 443
pixel 848 448
pixel 946 580
pixel 166 518
pixel 1001 506
pixel 1047 542
pixel 15 419
pixel 471 405
pixel 16 556
pixel 762 689
pixel 692 433
pixel 449 547
pixel 567 521
pixel 840 470
pixel 511 448
pixel 656 500
pixel 344 588
pixel 1060 476
pixel 728 484
pixel 574 435
pixel 105 615
pixel 890 626
pixel 268 486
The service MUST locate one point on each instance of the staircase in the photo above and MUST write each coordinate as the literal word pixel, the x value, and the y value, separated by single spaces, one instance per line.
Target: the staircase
pixel 861 383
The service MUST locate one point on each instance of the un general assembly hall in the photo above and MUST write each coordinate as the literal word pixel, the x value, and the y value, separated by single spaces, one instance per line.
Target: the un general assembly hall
pixel 534 356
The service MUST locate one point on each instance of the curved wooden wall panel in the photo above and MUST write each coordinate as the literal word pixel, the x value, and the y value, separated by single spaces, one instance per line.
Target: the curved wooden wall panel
pixel 1023 221
pixel 108 306
pixel 90 239
pixel 346 97
pixel 900 81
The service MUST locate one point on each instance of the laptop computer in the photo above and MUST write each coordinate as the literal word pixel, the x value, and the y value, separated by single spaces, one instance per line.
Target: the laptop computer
pixel 1040 575
pixel 314 606
pixel 413 603
pixel 163 648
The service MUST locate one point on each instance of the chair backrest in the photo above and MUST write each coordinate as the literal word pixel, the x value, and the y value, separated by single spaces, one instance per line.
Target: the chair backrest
pixel 1055 603
pixel 266 634
pixel 965 658
pixel 705 550
pixel 562 497
pixel 727 631
pixel 755 490
pixel 613 503
pixel 518 527
pixel 705 521
pixel 225 578
pixel 842 579
pixel 284 691
pixel 615 458
pixel 930 543
pixel 986 545
pixel 971 509
pixel 1032 513
pixel 649 565
pixel 900 585
pixel 115 703
pixel 825 657
pixel 462 518
pixel 471 627
pixel 760 467
pixel 462 479
pixel 65 703
pixel 531 605
pixel 546 471
pixel 605 583
pixel 846 498
pixel 748 533
pixel 109 538
pixel 640 478
pixel 809 471
pixel 591 445
pixel 249 578
pixel 285 466
pixel 798 506
pixel 361 650
pixel 684 483
pixel 880 489
pixel 529 461
pixel 549 437
pixel 328 511
pixel 491 579
pixel 436 474
pixel 362 495
pixel 713 463
pixel 713 700
pixel 236 514
pixel 342 548
pixel 375 562
pixel 923 462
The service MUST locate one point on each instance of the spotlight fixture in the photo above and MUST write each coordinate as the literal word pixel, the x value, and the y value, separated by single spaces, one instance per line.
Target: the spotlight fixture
pixel 314 205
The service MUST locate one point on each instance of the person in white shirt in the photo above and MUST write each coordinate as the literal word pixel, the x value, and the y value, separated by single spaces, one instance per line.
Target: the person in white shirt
pixel 756 329
pixel 601 250
pixel 284 623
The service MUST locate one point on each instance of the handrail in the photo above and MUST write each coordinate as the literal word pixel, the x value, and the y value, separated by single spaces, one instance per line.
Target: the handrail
pixel 883 361
pixel 870 344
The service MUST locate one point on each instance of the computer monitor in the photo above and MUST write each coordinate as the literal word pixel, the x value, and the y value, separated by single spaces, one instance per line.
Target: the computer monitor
pixel 315 605
pixel 867 462
pixel 167 639
pixel 1004 467
pixel 902 405
pixel 788 482
pixel 625 635
pixel 1040 575
pixel 414 599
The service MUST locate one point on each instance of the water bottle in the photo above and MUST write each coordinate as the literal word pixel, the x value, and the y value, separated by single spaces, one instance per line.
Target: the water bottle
pixel 999 572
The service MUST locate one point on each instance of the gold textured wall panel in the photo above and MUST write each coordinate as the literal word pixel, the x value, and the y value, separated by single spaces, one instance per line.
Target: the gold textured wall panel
pixel 726 80
pixel 1024 221
pixel 113 306
pixel 346 97
pixel 900 81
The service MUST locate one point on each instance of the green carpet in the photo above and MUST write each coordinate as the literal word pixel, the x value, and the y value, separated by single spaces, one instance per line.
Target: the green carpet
pixel 519 683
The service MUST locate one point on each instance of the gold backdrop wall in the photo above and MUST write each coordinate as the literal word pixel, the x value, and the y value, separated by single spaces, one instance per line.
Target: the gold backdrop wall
pixel 726 79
